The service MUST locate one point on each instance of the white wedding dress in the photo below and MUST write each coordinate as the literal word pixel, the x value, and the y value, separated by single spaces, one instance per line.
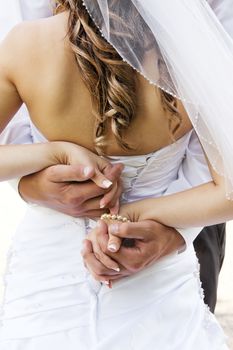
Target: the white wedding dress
pixel 52 302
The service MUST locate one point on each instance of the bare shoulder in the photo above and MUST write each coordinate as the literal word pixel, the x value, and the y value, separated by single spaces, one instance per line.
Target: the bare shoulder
pixel 29 42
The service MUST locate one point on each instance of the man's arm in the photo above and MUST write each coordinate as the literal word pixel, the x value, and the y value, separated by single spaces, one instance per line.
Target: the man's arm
pixel 54 189
pixel 152 241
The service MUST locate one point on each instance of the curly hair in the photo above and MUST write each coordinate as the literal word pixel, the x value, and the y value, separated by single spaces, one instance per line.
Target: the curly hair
pixel 110 80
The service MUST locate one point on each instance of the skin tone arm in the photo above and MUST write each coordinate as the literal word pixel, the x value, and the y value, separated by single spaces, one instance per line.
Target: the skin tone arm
pixel 210 205
pixel 21 160
pixel 209 201
pixel 152 242
pixel 60 188
pixel 200 206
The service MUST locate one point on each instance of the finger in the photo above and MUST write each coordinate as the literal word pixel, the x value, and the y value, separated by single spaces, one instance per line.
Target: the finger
pixel 114 172
pixel 135 230
pixel 96 236
pixel 112 198
pixel 100 180
pixel 86 248
pixel 98 270
pixel 106 261
pixel 104 181
pixel 131 259
pixel 92 204
pixel 115 209
pixel 108 197
pixel 85 191
pixel 114 243
pixel 105 279
pixel 67 173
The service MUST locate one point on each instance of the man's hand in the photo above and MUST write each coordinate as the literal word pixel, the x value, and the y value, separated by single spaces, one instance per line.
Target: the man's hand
pixel 69 190
pixel 150 242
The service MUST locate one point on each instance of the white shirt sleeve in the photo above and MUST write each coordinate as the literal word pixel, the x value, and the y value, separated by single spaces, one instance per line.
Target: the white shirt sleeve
pixel 18 131
pixel 193 171
pixel 224 11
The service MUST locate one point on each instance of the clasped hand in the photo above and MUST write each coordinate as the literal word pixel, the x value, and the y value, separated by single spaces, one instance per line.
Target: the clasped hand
pixel 109 260
pixel 81 185
pixel 84 184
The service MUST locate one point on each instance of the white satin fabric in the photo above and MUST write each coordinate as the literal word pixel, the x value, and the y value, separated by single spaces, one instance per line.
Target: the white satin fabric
pixel 52 302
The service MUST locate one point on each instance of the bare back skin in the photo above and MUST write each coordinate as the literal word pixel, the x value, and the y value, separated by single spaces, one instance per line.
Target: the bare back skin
pixel 48 80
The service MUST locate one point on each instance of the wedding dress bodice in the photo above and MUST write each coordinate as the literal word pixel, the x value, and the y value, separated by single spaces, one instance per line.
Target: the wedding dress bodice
pixel 52 301
pixel 148 175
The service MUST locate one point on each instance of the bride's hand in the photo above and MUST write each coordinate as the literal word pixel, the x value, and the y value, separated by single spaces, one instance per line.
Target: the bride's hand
pixel 93 167
pixel 97 245
pixel 152 241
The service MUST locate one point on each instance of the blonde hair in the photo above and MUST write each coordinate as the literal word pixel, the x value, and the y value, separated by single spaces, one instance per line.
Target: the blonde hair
pixel 111 81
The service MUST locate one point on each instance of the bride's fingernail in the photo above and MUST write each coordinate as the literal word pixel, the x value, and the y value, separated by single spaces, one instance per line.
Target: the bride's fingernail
pixel 112 247
pixel 117 269
pixel 102 205
pixel 106 183
pixel 87 171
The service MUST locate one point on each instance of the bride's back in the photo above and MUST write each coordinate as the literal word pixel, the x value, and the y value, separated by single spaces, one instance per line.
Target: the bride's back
pixel 49 81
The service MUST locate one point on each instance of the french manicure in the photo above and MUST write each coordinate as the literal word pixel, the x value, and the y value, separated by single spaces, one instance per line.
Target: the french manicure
pixel 87 171
pixel 117 269
pixel 106 183
pixel 102 205
pixel 112 247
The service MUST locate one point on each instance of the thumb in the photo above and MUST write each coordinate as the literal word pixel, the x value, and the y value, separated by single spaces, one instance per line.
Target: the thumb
pixel 114 243
pixel 67 173
pixel 134 230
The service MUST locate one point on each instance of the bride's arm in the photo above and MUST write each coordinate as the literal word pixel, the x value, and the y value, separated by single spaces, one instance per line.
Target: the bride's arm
pixel 16 160
pixel 20 160
pixel 200 206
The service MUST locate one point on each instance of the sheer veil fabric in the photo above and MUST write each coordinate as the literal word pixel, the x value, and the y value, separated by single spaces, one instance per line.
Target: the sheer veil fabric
pixel 181 47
